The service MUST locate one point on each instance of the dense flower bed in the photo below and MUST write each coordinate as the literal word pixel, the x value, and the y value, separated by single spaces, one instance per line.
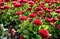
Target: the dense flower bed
pixel 29 19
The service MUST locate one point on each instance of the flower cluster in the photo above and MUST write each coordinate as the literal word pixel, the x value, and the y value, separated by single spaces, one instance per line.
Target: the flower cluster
pixel 31 18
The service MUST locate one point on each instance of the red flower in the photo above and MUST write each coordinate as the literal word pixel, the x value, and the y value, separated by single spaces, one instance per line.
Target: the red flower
pixel 21 36
pixel 12 32
pixel 30 2
pixel 38 8
pixel 53 19
pixel 14 2
pixel 50 4
pixel 2 7
pixel 18 13
pixel 38 22
pixel 31 5
pixel 59 17
pixel 52 24
pixel 7 0
pixel 6 7
pixel 57 11
pixel 41 5
pixel 1 1
pixel 44 33
pixel 48 19
pixel 40 13
pixel 44 8
pixel 29 9
pixel 32 15
pixel 56 2
pixel 47 1
pixel 22 18
pixel 58 7
pixel 59 27
pixel 25 1
pixel 17 5
pixel 33 12
pixel 48 15
pixel 49 10
pixel 23 11
pixel 34 0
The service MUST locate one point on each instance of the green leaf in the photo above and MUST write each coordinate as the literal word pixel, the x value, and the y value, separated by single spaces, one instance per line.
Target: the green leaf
pixel 53 5
pixel 58 4
pixel 54 15
pixel 16 27
pixel 46 5
pixel 38 37
pixel 39 27
pixel 45 26
pixel 0 21
pixel 26 32
pixel 26 36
